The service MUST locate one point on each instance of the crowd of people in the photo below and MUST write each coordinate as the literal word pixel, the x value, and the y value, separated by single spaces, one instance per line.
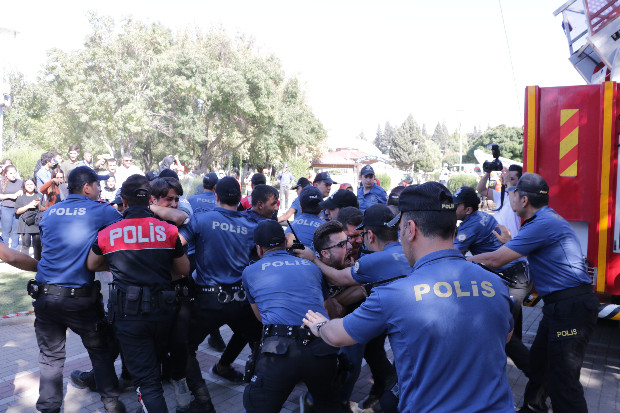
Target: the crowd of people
pixel 312 297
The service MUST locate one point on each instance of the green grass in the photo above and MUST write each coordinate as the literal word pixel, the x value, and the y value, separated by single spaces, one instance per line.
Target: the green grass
pixel 13 297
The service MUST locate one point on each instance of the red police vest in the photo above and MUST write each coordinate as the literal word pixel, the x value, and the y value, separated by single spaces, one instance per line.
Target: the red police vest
pixel 138 234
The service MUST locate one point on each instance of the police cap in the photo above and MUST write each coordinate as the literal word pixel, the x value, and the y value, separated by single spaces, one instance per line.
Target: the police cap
pixel 324 176
pixel 82 175
pixel 303 182
pixel 377 215
pixel 340 199
pixel 467 196
pixel 367 170
pixel 531 183
pixel 210 180
pixel 152 175
pixel 429 196
pixel 168 173
pixel 269 233
pixel 136 187
pixel 310 197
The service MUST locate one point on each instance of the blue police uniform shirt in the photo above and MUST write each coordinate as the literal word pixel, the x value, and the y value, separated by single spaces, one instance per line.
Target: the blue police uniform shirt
pixel 475 234
pixel 68 229
pixel 553 251
pixel 381 265
pixel 376 195
pixel 221 240
pixel 447 323
pixel 296 206
pixel 284 288
pixel 304 226
pixel 204 201
pixel 253 220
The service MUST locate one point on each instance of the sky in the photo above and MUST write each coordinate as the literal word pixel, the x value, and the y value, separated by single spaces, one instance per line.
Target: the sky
pixel 361 63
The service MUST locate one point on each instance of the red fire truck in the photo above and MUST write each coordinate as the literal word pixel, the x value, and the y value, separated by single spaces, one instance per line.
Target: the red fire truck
pixel 572 139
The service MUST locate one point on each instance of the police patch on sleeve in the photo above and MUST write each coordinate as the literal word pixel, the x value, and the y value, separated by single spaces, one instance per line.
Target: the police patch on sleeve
pixel 461 237
pixel 356 266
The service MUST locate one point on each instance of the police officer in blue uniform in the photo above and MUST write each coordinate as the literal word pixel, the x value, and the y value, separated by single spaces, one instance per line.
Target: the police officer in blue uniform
pixel 448 321
pixel 206 200
pixel 295 207
pixel 370 193
pixel 144 254
pixel 476 234
pixel 66 294
pixel 222 253
pixel 309 220
pixel 559 274
pixel 281 288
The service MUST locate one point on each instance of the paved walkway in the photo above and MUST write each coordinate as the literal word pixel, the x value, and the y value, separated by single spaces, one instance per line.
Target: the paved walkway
pixel 19 372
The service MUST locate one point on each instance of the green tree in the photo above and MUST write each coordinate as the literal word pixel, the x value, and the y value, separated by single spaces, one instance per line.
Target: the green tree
pixel 382 141
pixel 388 137
pixel 138 88
pixel 405 142
pixel 427 156
pixel 441 136
pixel 509 139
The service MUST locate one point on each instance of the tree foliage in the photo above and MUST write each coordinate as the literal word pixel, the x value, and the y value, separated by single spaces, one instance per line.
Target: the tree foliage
pixel 509 139
pixel 405 142
pixel 141 89
pixel 441 136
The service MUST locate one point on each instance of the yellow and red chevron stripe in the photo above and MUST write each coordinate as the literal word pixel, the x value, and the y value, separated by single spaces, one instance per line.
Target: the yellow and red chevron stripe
pixel 569 137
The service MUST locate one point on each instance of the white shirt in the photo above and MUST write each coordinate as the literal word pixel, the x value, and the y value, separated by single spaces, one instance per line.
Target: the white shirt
pixel 123 173
pixel 506 216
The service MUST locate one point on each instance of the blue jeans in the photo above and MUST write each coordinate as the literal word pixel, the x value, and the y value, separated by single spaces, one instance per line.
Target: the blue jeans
pixel 9 227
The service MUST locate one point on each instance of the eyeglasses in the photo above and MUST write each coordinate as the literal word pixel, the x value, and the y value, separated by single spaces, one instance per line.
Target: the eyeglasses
pixel 341 244
pixel 355 236
pixel 363 234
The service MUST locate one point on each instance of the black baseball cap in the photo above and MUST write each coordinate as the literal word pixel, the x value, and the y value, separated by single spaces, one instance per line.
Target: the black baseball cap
pixel 152 175
pixel 168 173
pixel 531 183
pixel 227 187
pixel 429 196
pixel 136 186
pixel 210 180
pixel 268 233
pixel 394 196
pixel 466 195
pixel 323 176
pixel 83 175
pixel 367 170
pixel 303 182
pixel 310 197
pixel 377 215
pixel 340 199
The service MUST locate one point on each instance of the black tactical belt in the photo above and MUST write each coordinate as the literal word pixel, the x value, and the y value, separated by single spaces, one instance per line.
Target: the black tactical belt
pixel 282 330
pixel 225 293
pixel 51 289
pixel 219 288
